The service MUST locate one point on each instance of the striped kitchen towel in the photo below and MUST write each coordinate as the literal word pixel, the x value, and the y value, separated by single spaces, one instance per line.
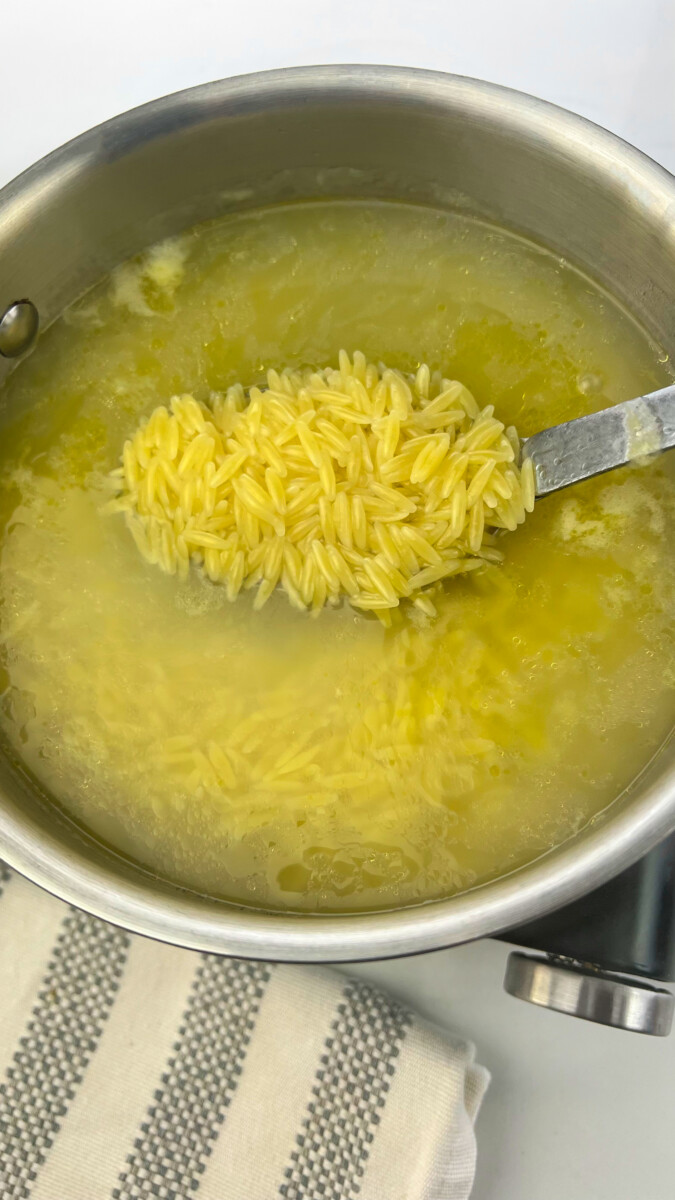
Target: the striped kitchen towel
pixel 135 1070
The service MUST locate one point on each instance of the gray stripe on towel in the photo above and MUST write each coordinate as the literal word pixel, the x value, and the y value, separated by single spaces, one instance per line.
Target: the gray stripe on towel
pixel 171 1153
pixel 348 1097
pixel 62 1034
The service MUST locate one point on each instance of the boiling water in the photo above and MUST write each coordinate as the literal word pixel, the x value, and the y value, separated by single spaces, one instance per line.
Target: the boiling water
pixel 330 764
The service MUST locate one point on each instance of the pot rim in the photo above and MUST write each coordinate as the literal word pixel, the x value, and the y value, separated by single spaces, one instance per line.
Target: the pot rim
pixel 556 878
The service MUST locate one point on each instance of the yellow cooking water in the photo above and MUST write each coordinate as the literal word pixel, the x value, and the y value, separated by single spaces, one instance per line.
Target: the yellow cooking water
pixel 332 763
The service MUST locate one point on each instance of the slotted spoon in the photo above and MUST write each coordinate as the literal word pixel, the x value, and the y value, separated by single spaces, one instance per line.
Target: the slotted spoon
pixel 591 445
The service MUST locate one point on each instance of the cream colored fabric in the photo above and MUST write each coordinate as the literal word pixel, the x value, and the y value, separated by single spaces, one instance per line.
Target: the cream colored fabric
pixel 134 1070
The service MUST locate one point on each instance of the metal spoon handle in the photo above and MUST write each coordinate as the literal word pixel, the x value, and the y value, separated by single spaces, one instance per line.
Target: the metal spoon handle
pixel 601 441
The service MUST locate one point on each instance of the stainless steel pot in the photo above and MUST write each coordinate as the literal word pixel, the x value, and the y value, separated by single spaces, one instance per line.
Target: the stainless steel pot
pixel 376 131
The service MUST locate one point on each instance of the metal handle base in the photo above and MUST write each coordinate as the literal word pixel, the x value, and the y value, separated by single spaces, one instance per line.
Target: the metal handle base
pixel 580 991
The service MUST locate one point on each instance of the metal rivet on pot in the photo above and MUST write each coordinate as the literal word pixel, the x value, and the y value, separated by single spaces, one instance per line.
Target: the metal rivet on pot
pixel 18 328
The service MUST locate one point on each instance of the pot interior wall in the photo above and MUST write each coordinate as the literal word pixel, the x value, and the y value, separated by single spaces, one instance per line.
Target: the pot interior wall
pixel 153 172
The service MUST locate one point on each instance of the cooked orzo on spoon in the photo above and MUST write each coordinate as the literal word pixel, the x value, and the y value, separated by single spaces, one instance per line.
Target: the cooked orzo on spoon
pixel 356 482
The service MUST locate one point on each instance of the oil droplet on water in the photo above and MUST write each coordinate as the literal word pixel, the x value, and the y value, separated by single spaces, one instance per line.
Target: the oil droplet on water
pixel 589 384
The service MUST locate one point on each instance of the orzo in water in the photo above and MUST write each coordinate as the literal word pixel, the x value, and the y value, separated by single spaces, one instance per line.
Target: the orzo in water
pixel 331 763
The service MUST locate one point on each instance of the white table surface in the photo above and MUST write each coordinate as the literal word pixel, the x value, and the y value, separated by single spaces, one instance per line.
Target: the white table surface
pixel 575 1111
